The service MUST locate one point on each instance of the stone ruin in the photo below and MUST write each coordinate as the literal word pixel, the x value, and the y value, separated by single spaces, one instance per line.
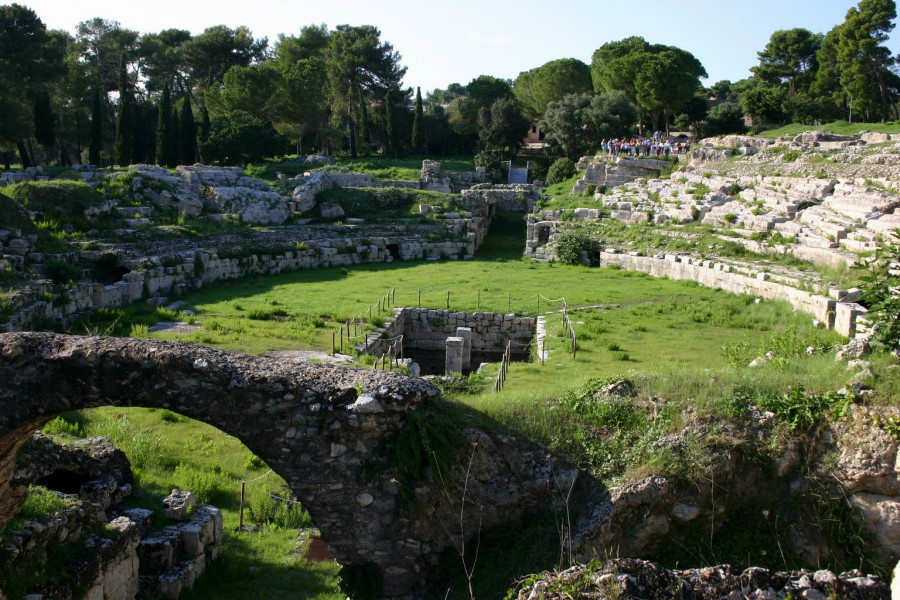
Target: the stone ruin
pixel 316 426
pixel 621 170
pixel 131 559
pixel 447 342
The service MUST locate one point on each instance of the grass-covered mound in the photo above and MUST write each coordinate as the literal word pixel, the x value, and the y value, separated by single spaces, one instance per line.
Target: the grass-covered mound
pixel 839 127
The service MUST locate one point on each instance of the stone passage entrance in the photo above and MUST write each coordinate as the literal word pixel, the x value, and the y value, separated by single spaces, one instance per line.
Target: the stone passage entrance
pixel 426 333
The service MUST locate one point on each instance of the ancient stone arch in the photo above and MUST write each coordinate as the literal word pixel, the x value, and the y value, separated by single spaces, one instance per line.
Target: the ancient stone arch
pixel 317 426
pixel 314 425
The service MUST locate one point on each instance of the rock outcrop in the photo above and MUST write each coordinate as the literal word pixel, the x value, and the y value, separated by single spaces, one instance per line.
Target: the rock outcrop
pixel 632 579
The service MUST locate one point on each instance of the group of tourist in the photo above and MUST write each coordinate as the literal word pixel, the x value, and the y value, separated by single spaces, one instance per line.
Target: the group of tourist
pixel 647 147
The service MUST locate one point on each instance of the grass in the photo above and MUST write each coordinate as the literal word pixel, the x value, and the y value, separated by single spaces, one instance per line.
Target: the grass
pixel 839 127
pixel 403 169
pixel 685 345
pixel 168 450
pixel 385 204
pixel 381 168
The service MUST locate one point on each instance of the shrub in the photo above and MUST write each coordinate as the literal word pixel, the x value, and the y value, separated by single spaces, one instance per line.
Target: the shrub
pixel 590 190
pixel 561 170
pixel 570 245
pixel 61 272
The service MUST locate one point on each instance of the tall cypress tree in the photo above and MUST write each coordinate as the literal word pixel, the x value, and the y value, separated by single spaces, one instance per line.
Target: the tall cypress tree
pixel 417 138
pixel 390 137
pixel 175 139
pixel 96 143
pixel 188 132
pixel 125 119
pixel 163 128
pixel 364 126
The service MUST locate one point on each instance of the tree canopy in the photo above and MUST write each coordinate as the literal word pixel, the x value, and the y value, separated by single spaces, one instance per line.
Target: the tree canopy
pixel 537 88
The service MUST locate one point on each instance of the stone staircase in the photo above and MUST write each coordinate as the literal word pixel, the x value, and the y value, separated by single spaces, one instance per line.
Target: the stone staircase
pixel 518 175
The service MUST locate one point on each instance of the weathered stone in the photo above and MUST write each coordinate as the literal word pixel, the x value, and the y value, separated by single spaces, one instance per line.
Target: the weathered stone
pixel 179 505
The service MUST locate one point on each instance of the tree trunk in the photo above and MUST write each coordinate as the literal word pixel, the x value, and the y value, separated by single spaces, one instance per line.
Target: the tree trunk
pixel 23 155
pixel 352 133
pixel 6 163
pixel 63 154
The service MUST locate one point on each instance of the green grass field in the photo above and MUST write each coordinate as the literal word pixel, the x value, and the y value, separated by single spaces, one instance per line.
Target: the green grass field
pixel 840 127
pixel 676 341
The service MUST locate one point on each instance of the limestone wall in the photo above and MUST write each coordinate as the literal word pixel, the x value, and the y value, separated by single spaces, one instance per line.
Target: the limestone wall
pixel 428 329
pixel 718 276
pixel 199 268
pixel 542 229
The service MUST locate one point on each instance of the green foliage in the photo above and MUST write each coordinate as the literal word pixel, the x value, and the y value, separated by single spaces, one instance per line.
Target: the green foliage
pixel 537 88
pixel 60 200
pixel 576 123
pixel 124 118
pixel 40 505
pixel 206 486
pixel 800 411
pixel 501 126
pixel 357 61
pixel 241 138
pixel 570 245
pixel 724 119
pixel 270 509
pixel 61 272
pixel 560 170
pixel 66 424
pixel 880 294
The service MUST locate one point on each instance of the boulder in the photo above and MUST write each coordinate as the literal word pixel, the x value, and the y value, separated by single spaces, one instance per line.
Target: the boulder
pixel 330 210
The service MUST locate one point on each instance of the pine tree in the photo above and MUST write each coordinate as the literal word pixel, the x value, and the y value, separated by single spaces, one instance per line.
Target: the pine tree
pixel 163 129
pixel 364 128
pixel 124 119
pixel 417 141
pixel 96 143
pixel 188 133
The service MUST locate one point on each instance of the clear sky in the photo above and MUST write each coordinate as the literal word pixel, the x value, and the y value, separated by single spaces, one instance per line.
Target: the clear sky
pixel 456 41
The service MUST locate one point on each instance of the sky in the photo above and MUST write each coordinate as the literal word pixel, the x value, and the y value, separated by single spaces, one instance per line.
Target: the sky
pixel 443 43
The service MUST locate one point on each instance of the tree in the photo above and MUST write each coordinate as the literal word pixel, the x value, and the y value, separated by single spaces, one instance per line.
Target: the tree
pixel 311 43
pixel 537 88
pixel 358 61
pixel 124 119
pixel 214 52
pixel 44 122
pixel 240 139
pixel 188 133
pixel 863 59
pixel 667 80
pixel 96 143
pixel 162 57
pixel 102 44
pixel 790 59
pixel 722 90
pixel 30 59
pixel 655 78
pixel 165 153
pixel 365 125
pixel 724 119
pixel 484 90
pixel 390 135
pixel 175 136
pixel 763 102
pixel 577 123
pixel 416 140
pixel 502 126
